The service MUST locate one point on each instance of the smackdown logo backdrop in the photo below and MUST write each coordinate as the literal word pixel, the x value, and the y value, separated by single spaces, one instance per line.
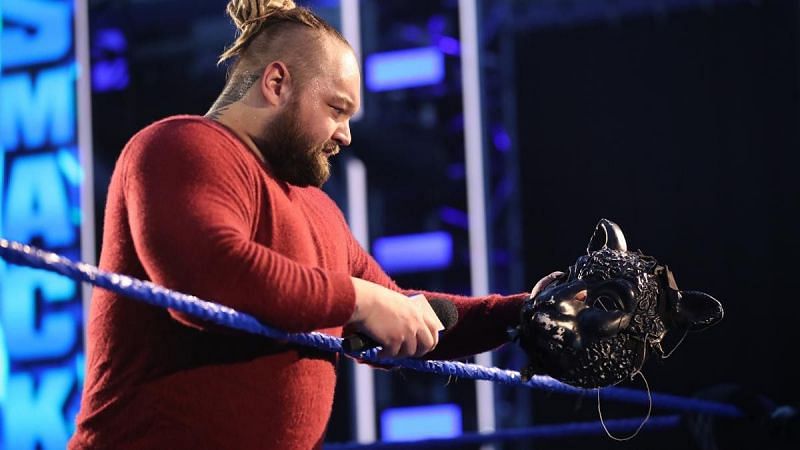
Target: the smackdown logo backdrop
pixel 41 320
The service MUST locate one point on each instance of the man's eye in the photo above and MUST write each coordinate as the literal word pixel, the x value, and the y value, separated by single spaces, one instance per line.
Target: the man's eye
pixel 337 110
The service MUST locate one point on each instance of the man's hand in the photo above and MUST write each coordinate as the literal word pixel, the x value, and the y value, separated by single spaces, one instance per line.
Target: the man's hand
pixel 544 282
pixel 404 326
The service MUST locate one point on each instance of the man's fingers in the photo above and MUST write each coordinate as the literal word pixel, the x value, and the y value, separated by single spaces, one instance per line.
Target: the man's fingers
pixel 432 321
pixel 425 342
pixel 409 347
pixel 390 350
pixel 544 282
pixel 571 289
pixel 416 334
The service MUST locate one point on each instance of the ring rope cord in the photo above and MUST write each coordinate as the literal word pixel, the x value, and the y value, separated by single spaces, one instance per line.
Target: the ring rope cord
pixel 148 292
pixel 558 430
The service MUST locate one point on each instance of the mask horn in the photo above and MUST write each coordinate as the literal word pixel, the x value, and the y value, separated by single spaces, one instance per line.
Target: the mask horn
pixel 607 234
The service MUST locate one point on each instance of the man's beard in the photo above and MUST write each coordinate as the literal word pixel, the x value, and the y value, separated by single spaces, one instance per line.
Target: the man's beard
pixel 292 155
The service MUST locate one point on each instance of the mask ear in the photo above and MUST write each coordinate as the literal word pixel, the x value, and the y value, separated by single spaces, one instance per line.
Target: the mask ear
pixel 696 310
pixel 607 234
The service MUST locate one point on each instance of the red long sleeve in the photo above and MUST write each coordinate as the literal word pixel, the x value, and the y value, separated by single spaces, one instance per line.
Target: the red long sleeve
pixel 203 215
pixel 191 208
pixel 483 322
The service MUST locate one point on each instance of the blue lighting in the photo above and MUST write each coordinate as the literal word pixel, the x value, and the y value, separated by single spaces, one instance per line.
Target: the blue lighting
pixel 41 325
pixel 111 40
pixel 456 171
pixel 80 367
pixel 1 45
pixel 36 203
pixel 404 69
pixel 37 400
pixel 38 107
pixel 411 33
pixel 414 252
pixel 69 165
pixel 110 68
pixel 437 25
pixel 33 334
pixel 421 422
pixel 111 75
pixel 318 4
pixel 3 350
pixel 501 139
pixel 449 45
pixel 454 217
pixel 38 36
pixel 3 365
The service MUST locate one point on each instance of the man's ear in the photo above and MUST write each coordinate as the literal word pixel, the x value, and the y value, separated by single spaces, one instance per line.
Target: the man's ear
pixel 276 83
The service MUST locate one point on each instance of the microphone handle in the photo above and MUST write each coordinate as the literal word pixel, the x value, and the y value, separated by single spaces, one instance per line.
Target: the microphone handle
pixel 444 310
pixel 358 343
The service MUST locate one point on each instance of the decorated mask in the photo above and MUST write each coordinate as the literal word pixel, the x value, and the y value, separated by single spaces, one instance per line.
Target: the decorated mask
pixel 631 304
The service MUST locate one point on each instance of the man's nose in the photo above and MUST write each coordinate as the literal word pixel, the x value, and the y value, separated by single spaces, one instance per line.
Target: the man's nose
pixel 342 135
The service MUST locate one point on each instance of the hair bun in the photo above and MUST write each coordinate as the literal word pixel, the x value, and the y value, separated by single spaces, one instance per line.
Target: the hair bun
pixel 246 12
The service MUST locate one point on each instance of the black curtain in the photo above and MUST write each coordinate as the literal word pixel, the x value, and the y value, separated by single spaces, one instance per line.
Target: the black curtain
pixel 683 129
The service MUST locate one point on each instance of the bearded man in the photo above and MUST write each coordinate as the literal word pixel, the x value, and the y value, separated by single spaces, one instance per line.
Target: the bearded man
pixel 228 207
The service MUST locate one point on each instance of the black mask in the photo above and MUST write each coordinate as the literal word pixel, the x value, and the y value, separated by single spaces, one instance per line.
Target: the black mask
pixel 632 303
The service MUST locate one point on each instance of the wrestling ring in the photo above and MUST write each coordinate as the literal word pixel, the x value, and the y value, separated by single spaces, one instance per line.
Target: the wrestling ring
pixel 145 291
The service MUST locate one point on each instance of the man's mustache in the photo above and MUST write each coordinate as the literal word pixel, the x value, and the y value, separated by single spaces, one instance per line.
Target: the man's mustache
pixel 331 148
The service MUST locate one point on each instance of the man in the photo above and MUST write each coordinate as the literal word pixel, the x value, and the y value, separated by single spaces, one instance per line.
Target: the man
pixel 227 207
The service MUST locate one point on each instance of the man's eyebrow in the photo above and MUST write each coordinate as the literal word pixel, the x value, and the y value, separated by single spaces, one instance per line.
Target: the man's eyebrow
pixel 346 100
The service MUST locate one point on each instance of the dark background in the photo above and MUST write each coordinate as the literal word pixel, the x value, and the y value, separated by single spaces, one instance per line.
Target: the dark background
pixel 685 132
pixel 681 126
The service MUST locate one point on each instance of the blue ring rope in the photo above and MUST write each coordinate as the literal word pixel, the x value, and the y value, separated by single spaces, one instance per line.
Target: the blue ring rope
pixel 150 293
pixel 539 431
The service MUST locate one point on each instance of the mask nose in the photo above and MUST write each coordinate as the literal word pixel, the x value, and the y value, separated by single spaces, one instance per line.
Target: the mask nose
pixel 608 309
pixel 612 295
pixel 598 324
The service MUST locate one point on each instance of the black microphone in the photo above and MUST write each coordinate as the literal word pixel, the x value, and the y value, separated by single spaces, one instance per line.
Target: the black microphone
pixel 445 310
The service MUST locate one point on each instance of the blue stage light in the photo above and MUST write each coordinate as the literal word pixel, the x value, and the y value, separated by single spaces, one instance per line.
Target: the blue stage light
pixel 3 365
pixel 449 45
pixel 41 180
pixel 69 165
pixel 454 217
pixel 3 351
pixel 501 139
pixel 404 69
pixel 421 422
pixel 110 40
pixel 110 75
pixel 414 252
pixel 110 68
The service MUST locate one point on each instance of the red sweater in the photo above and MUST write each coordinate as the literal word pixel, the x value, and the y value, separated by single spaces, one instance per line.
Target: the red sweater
pixel 190 207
